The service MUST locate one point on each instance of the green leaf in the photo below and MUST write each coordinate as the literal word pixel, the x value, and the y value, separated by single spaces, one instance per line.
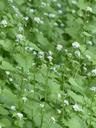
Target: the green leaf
pixel 3 111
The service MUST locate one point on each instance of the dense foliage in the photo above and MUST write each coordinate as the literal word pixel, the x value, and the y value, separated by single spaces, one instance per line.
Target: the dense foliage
pixel 47 63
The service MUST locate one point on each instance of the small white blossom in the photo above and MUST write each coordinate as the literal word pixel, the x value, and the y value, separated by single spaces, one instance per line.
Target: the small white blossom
pixel 19 37
pixel 89 43
pixel 13 107
pixel 50 58
pixel 59 47
pixel 4 23
pixel 10 79
pixel 24 99
pixel 51 15
pixel 89 9
pixel 60 11
pixel 19 115
pixel 59 5
pixel 7 72
pixel 43 4
pixel 32 91
pixel 42 105
pixel 53 119
pixel 59 111
pixel 93 72
pixel 73 11
pixel 32 10
pixel 50 53
pixel 77 53
pixel 76 107
pixel 75 45
pixel 45 14
pixel 66 102
pixel 26 18
pixel 38 20
pixel 41 55
pixel 93 89
pixel 21 29
pixel 74 2
pixel 88 57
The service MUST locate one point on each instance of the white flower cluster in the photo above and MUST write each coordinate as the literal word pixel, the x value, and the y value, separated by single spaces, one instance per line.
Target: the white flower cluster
pixel 59 47
pixel 89 9
pixel 77 53
pixel 59 111
pixel 93 72
pixel 75 45
pixel 19 115
pixel 66 102
pixel 43 4
pixel 3 23
pixel 42 105
pixel 13 108
pixel 41 55
pixel 77 108
pixel 19 37
pixel 24 99
pixel 38 20
pixel 51 15
pixel 93 89
pixel 53 119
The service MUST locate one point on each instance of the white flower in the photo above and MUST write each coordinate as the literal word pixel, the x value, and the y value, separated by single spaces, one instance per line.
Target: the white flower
pixel 10 79
pixel 43 4
pixel 38 20
pixel 41 55
pixel 26 18
pixel 73 11
pixel 50 58
pixel 24 99
pixel 75 45
pixel 51 15
pixel 4 23
pixel 76 107
pixel 93 72
pixel 10 1
pixel 89 42
pixel 53 119
pixel 19 115
pixel 19 37
pixel 59 111
pixel 32 91
pixel 89 9
pixel 42 105
pixel 60 11
pixel 66 102
pixel 50 53
pixel 93 89
pixel 77 53
pixel 59 5
pixel 7 72
pixel 32 10
pixel 59 47
pixel 13 107
pixel 74 2
pixel 21 29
